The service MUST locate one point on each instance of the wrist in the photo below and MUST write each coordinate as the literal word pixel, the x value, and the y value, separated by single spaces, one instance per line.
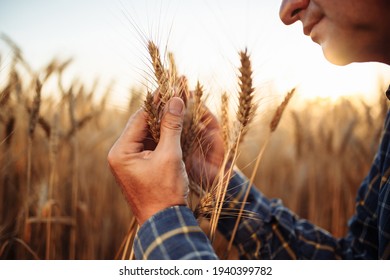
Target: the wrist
pixel 145 213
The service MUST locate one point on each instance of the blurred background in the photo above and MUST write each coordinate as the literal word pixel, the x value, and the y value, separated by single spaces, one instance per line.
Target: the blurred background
pixel 58 199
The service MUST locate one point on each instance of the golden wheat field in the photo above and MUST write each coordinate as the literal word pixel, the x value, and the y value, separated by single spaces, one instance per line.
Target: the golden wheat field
pixel 58 199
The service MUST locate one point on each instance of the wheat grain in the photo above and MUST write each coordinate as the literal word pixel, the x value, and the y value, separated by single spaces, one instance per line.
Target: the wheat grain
pixel 182 89
pixel 173 76
pixel 153 117
pixel 191 128
pixel 224 120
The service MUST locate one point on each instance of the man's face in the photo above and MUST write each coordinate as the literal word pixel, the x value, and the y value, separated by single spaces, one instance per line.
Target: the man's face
pixel 347 30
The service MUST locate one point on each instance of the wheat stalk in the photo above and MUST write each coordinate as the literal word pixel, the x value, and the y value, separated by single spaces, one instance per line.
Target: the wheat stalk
pixel 35 109
pixel 273 125
pixel 124 247
pixel 21 242
pixel 9 130
pixel 75 170
pixel 31 128
pixel 77 125
pixel 298 132
pixel 5 95
pixel 53 150
pixel 245 114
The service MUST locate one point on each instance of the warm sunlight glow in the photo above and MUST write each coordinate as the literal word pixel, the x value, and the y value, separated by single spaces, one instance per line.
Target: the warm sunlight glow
pixel 266 150
pixel 328 81
pixel 107 40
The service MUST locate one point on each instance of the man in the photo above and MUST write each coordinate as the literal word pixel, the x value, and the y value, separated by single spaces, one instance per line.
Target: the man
pixel 155 182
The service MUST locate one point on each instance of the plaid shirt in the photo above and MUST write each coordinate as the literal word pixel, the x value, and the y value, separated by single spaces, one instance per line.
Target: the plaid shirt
pixel 278 233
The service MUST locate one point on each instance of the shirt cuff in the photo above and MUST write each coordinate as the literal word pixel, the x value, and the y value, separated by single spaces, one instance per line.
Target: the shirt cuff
pixel 172 233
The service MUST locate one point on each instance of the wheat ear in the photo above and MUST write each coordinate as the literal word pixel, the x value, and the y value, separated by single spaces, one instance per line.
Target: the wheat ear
pixel 224 120
pixel 279 111
pixel 161 74
pixel 173 76
pixel 246 108
pixel 191 129
pixel 155 109
pixel 153 116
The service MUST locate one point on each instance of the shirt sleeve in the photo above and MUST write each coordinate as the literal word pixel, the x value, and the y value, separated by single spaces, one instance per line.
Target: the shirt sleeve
pixel 172 234
pixel 268 230
pixel 271 231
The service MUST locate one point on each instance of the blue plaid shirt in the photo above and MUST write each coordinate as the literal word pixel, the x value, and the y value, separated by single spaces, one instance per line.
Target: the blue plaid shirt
pixel 278 233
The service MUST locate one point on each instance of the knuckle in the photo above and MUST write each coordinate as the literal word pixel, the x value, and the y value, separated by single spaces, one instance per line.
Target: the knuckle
pixel 112 157
pixel 172 123
pixel 171 158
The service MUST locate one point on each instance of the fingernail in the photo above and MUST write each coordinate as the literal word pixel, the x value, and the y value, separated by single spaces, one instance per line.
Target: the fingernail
pixel 176 106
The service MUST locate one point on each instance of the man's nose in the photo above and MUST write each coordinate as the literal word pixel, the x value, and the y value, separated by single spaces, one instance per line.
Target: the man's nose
pixel 290 10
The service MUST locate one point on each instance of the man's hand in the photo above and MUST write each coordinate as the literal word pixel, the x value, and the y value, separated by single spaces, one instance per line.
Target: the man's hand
pixel 151 180
pixel 205 162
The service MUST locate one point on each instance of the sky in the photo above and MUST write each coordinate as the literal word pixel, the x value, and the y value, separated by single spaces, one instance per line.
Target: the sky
pixel 106 39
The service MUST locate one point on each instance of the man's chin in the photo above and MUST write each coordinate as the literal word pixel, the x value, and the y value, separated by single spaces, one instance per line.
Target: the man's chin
pixel 336 58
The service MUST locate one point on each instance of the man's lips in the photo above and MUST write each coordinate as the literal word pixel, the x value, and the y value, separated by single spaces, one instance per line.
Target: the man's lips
pixel 307 28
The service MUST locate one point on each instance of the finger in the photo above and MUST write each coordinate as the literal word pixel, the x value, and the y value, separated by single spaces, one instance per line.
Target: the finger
pixel 171 126
pixel 135 132
pixel 209 119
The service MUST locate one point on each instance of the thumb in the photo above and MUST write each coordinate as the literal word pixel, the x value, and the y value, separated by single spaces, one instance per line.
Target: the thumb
pixel 172 125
